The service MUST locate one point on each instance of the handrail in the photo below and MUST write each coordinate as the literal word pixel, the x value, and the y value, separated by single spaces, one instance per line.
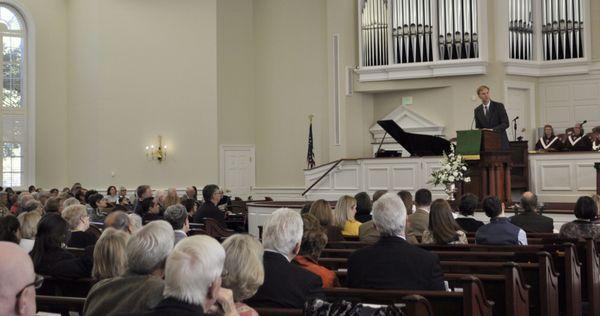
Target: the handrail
pixel 323 176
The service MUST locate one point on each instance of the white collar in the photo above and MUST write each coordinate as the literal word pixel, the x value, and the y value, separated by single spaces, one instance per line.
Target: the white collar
pixel 279 253
pixel 573 142
pixel 595 147
pixel 546 146
pixel 181 231
pixel 488 104
pixel 401 236
pixel 424 208
pixel 459 215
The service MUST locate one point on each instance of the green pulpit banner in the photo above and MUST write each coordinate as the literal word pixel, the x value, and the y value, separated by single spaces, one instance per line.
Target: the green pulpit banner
pixel 468 144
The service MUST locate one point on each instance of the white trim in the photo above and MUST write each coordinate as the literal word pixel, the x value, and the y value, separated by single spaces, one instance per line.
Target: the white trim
pixel 337 108
pixel 278 193
pixel 29 67
pixel 549 68
pixel 446 68
pixel 251 148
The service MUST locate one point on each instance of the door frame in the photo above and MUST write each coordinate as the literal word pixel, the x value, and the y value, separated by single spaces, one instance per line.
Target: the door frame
pixel 251 149
pixel 530 86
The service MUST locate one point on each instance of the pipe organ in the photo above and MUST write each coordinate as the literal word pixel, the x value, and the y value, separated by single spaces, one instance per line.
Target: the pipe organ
pixel 520 29
pixel 562 29
pixel 374 32
pixel 457 24
pixel 412 31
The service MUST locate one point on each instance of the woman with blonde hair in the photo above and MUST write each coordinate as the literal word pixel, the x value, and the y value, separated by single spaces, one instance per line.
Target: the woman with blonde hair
pixel 322 211
pixel 79 222
pixel 110 258
pixel 29 222
pixel 243 271
pixel 171 198
pixel 343 216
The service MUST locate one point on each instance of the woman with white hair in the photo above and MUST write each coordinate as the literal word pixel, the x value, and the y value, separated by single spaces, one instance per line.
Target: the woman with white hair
pixel 79 222
pixel 244 270
pixel 193 279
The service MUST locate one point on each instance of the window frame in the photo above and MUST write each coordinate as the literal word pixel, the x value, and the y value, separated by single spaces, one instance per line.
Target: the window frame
pixel 28 94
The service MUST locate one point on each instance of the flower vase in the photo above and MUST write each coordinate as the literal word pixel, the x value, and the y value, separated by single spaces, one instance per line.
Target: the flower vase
pixel 450 190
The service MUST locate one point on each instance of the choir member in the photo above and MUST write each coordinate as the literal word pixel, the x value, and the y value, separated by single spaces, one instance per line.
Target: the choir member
pixel 549 142
pixel 577 141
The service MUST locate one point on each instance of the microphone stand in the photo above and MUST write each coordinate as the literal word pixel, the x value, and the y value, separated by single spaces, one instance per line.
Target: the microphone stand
pixel 515 128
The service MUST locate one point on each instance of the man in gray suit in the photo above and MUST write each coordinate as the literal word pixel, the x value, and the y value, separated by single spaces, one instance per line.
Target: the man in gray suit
pixel 419 220
pixel 177 216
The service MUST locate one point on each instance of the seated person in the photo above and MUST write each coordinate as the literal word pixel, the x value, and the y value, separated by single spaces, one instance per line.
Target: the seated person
pixel 577 141
pixel 500 231
pixel 549 142
pixel 322 211
pixel 393 263
pixel 141 287
pixel 466 209
pixel 343 216
pixel 314 241
pixel 209 209
pixel 10 229
pixel 245 271
pixel 443 229
pixel 110 259
pixel 369 234
pixel 119 220
pixel 50 258
pixel 18 281
pixel 286 285
pixel 409 203
pixel 150 210
pixel 177 216
pixel 193 280
pixel 596 139
pixel 530 220
pixel 79 222
pixel 419 220
pixel 29 223
pixel 587 224
pixel 363 207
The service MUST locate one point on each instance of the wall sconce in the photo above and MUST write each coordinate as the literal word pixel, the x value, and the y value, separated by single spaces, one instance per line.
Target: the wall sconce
pixel 157 153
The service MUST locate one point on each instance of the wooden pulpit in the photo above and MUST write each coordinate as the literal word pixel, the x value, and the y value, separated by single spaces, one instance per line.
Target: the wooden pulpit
pixel 489 165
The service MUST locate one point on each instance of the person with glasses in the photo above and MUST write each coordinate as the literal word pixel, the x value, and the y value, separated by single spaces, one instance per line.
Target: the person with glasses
pixel 79 222
pixel 212 195
pixel 18 281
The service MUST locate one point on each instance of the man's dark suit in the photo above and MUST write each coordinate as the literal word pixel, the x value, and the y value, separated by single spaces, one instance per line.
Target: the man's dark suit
pixel 469 224
pixel 286 285
pixel 393 263
pixel 209 210
pixel 496 119
pixel 532 222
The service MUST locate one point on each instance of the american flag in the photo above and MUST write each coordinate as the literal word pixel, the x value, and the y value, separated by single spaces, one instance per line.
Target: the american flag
pixel 310 156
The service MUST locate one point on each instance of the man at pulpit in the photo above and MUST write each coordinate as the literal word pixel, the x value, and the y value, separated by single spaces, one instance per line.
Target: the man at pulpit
pixel 578 141
pixel 491 115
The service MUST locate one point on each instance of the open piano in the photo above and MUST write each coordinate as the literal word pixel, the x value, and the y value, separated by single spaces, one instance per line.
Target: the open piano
pixel 416 144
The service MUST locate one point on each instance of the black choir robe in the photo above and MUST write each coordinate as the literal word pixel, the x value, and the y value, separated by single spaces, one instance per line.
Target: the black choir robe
pixel 549 144
pixel 581 143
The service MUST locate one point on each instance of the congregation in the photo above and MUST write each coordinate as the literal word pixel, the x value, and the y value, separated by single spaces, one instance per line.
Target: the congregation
pixel 145 259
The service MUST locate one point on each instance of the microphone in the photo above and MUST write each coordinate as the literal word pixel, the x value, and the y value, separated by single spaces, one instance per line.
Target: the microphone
pixel 516 118
pixel 585 121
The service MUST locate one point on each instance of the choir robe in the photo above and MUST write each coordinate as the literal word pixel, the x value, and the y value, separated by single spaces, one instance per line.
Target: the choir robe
pixel 596 145
pixel 552 144
pixel 582 143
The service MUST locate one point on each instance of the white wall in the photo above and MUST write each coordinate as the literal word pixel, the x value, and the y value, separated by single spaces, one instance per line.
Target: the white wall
pixel 139 69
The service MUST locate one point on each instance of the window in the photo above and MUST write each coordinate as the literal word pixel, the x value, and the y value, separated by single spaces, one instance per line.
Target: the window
pixel 14 108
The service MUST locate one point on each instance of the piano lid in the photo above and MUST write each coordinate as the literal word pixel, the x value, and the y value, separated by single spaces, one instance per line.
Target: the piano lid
pixel 415 144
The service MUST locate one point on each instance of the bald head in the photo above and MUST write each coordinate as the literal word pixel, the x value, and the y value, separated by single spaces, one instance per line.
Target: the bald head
pixel 529 202
pixel 16 272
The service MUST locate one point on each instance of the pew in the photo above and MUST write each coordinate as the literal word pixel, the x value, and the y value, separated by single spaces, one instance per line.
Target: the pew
pixel 60 287
pixel 59 304
pixel 471 301
pixel 541 276
pixel 411 305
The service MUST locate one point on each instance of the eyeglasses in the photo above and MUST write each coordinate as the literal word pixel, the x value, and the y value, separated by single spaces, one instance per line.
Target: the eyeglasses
pixel 37 283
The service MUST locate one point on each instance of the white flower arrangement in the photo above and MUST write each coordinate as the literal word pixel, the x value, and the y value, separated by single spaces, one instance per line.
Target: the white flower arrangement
pixel 453 170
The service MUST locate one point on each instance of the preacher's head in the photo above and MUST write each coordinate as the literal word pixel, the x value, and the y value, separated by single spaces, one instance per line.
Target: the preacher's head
pixel 483 92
